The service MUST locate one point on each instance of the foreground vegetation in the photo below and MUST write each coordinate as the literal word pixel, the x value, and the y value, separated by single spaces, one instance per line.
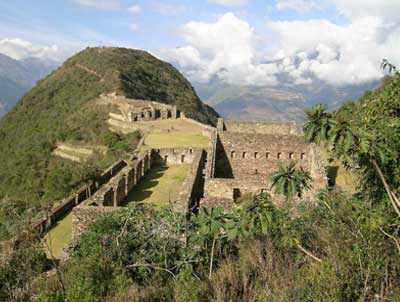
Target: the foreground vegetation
pixel 336 250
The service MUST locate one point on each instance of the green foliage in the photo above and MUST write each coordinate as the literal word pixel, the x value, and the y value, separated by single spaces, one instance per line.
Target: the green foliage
pixel 318 124
pixel 118 143
pixel 17 276
pixel 363 133
pixel 157 255
pixel 290 181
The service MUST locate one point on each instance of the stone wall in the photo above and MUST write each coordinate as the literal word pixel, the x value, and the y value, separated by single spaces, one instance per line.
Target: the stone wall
pixel 211 154
pixel 111 195
pixel 65 206
pixel 84 215
pixel 243 155
pixel 225 188
pixel 207 129
pixel 114 192
pixel 192 188
pixel 262 128
pixel 174 156
pixel 112 171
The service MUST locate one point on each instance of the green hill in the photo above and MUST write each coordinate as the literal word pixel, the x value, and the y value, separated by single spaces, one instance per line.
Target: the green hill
pixel 62 107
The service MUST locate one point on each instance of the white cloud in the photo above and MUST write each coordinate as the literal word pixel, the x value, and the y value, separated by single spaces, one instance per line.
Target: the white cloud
pixel 135 9
pixel 300 6
pixel 100 4
pixel 134 27
pixel 168 9
pixel 385 9
pixel 226 48
pixel 20 49
pixel 229 2
pixel 337 54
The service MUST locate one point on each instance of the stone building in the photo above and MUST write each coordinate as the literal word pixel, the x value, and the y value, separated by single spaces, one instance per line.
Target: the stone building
pixel 243 156
pixel 240 159
pixel 151 112
pixel 132 110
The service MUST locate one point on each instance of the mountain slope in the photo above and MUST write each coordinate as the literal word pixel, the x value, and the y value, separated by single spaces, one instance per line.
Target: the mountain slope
pixel 284 102
pixel 62 107
pixel 17 77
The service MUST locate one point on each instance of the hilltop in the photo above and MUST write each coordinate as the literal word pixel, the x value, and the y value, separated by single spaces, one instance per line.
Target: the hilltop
pixel 62 108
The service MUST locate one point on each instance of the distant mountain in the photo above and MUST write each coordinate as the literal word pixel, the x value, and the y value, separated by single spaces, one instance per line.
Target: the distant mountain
pixel 285 102
pixel 17 77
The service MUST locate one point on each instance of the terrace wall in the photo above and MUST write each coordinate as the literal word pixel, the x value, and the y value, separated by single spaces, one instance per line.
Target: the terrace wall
pixel 192 189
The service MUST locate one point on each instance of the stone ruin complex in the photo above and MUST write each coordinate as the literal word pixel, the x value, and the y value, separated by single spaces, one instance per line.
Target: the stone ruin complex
pixel 131 110
pixel 240 159
pixel 111 196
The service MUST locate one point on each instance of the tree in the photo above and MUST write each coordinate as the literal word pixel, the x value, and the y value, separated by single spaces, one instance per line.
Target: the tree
pixel 318 124
pixel 364 137
pixel 386 65
pixel 290 181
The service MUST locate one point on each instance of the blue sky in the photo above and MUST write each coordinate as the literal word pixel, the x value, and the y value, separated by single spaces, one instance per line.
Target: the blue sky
pixel 338 41
pixel 41 21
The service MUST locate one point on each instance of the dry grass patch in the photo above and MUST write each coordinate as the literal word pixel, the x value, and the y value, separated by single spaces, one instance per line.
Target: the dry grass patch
pixel 160 186
pixel 173 134
pixel 59 236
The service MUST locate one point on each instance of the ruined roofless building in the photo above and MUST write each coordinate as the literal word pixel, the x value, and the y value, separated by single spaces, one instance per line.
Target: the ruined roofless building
pixel 243 156
pixel 133 110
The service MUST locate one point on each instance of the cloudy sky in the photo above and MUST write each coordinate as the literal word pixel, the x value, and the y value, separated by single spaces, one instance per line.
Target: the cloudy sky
pixel 340 42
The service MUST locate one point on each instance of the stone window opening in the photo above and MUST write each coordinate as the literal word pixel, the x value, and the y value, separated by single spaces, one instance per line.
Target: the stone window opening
pixel 166 159
pixel 190 151
pixel 279 155
pixel 244 155
pixel 255 154
pixel 236 194
pixel 182 158
pixel 268 155
pixel 303 155
pixel 256 171
pixel 233 154
pixel 291 155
